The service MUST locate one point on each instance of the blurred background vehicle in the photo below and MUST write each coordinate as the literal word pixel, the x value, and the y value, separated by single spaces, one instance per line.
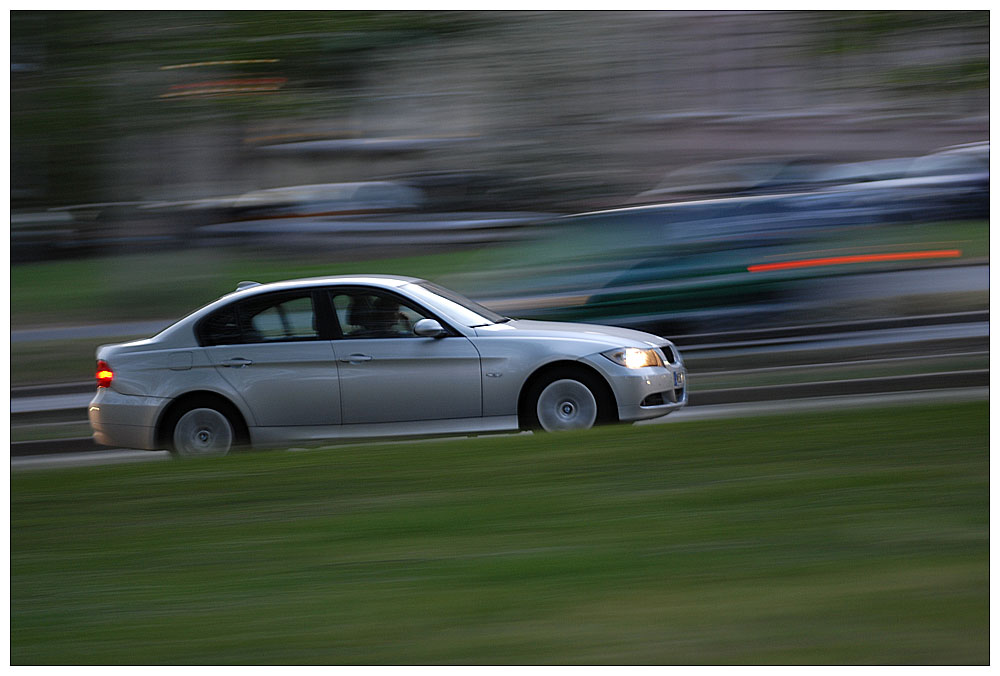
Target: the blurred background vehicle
pixel 326 199
pixel 388 215
pixel 746 262
pixel 748 176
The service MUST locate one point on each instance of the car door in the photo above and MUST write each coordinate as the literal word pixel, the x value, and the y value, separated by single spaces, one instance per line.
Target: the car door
pixel 271 352
pixel 389 374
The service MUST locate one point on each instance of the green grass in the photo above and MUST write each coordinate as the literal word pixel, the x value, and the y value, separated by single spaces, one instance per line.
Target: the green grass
pixel 834 538
pixel 41 431
pixel 56 361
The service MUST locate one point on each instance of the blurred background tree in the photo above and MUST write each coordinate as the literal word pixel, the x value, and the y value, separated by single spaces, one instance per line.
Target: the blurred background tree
pixel 81 81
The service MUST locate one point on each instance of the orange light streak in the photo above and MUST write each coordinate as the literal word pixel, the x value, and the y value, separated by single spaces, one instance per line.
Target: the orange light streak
pixel 860 258
pixel 234 82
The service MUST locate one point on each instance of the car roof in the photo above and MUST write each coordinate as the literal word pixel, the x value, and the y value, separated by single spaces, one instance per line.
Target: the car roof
pixel 387 281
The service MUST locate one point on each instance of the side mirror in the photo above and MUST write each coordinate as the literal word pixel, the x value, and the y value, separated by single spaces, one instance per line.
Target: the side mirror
pixel 429 328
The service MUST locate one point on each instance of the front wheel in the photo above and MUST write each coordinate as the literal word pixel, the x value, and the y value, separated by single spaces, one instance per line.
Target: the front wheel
pixel 566 404
pixel 203 433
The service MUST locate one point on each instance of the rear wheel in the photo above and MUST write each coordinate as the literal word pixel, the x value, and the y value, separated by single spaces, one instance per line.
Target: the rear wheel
pixel 202 433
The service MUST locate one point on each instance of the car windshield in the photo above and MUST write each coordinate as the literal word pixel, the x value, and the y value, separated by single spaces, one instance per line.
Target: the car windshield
pixel 471 314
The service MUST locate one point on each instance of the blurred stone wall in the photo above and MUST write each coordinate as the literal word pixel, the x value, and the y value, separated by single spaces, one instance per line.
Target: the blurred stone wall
pixel 628 96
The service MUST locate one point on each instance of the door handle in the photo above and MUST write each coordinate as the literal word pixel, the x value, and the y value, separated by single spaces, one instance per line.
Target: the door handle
pixel 357 358
pixel 238 362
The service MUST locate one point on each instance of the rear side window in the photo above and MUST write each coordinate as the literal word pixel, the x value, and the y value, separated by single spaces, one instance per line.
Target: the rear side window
pixel 269 320
pixel 264 319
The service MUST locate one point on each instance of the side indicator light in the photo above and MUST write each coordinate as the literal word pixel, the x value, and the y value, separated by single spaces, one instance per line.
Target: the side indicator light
pixel 862 258
pixel 104 374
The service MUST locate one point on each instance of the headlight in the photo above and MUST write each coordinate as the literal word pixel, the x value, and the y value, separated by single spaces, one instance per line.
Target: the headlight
pixel 634 358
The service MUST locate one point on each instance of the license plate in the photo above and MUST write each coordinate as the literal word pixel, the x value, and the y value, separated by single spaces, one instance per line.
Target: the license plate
pixel 678 378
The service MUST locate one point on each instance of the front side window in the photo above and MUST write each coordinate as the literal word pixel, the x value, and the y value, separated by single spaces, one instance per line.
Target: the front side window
pixel 374 314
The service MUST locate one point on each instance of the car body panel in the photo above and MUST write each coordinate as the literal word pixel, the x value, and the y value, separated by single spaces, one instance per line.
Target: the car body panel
pixel 514 350
pixel 634 387
pixel 387 380
pixel 295 383
pixel 278 436
pixel 124 420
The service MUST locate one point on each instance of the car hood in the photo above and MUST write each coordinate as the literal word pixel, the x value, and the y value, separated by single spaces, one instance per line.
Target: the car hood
pixel 602 336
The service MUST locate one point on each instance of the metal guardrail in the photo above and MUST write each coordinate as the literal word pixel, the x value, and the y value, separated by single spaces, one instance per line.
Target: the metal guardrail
pixel 760 336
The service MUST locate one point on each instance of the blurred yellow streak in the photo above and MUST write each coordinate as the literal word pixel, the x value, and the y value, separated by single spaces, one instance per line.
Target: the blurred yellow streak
pixel 233 62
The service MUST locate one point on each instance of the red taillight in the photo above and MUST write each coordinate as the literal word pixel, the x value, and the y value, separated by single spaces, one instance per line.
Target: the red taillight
pixel 104 374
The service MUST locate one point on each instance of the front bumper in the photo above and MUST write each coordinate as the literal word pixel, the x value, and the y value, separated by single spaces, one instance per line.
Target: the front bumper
pixel 644 393
pixel 123 420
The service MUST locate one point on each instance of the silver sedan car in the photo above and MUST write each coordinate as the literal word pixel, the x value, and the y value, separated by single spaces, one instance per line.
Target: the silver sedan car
pixel 370 356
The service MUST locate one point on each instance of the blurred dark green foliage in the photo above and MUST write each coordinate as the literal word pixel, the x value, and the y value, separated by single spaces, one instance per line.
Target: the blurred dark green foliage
pixel 861 30
pixel 82 79
pixel 883 31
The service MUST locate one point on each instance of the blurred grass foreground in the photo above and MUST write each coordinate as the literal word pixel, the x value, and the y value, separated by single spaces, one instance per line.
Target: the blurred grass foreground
pixel 835 538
